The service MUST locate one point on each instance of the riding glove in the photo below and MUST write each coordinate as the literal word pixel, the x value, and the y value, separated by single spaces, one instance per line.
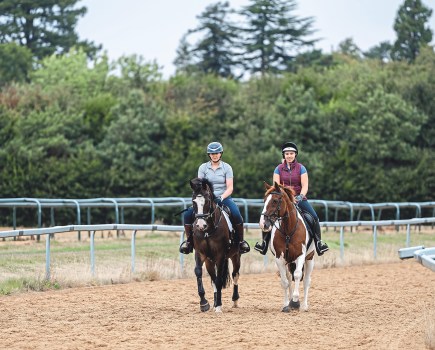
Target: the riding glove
pixel 218 201
pixel 299 197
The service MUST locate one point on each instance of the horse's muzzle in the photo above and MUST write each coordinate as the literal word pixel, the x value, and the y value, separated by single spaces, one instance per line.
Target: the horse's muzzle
pixel 265 224
pixel 201 225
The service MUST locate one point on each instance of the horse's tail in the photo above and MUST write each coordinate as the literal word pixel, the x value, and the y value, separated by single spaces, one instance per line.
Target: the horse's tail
pixel 226 279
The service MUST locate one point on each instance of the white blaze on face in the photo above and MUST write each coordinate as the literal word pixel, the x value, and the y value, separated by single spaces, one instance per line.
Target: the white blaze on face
pixel 200 202
pixel 266 203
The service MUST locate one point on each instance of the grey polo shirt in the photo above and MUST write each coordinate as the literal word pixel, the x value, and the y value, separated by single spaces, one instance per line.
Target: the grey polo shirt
pixel 217 177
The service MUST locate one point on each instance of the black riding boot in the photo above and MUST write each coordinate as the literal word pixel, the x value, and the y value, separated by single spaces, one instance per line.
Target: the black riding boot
pixel 321 247
pixel 243 245
pixel 262 248
pixel 187 246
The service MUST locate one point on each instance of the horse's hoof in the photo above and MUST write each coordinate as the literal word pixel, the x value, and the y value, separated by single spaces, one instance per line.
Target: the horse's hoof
pixel 285 309
pixel 218 310
pixel 205 307
pixel 295 305
pixel 235 303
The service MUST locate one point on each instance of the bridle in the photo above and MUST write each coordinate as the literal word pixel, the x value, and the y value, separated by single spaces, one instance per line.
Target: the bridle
pixel 275 216
pixel 210 216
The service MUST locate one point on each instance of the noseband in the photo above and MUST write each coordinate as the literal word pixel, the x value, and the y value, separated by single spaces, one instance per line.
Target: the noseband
pixel 210 215
pixel 275 215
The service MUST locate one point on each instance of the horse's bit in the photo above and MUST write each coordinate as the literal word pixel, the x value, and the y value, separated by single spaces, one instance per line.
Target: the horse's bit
pixel 208 216
pixel 275 215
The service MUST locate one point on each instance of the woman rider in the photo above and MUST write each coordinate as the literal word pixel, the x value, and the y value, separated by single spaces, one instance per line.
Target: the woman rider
pixel 220 174
pixel 293 174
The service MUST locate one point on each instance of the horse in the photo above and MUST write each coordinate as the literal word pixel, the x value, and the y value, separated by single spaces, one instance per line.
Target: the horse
pixel 291 243
pixel 214 245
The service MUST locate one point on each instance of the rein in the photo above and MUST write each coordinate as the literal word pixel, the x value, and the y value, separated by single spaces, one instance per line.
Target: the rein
pixel 275 215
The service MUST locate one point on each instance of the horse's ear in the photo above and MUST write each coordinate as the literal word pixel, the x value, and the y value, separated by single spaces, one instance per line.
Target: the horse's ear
pixel 192 185
pixel 277 187
pixel 266 185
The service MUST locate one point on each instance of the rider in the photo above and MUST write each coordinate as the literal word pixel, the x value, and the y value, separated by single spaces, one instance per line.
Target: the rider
pixel 293 174
pixel 220 174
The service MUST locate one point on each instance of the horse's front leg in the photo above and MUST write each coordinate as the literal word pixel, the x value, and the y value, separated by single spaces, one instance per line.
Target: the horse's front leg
pixel 282 267
pixel 213 272
pixel 297 275
pixel 203 304
pixel 236 268
pixel 309 266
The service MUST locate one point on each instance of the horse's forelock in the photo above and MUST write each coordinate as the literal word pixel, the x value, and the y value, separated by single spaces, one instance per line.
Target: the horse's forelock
pixel 269 191
pixel 198 184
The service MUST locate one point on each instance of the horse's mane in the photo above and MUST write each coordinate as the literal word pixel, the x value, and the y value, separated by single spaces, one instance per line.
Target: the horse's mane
pixel 198 183
pixel 290 193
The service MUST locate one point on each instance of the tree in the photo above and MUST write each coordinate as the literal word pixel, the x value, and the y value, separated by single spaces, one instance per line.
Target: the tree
pixel 273 34
pixel 15 63
pixel 412 30
pixel 349 48
pixel 184 60
pixel 313 58
pixel 382 51
pixel 43 26
pixel 214 52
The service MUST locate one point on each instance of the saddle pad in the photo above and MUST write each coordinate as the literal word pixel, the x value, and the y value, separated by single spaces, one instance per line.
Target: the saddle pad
pixel 227 217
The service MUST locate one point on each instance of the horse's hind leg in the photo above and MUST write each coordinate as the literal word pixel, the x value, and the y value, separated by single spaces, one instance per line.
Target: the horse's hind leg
pixel 309 266
pixel 203 304
pixel 236 268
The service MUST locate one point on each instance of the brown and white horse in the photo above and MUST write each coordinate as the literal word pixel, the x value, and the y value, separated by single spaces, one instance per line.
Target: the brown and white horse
pixel 290 243
pixel 212 242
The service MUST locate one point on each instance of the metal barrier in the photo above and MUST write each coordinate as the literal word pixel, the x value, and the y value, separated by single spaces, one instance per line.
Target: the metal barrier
pixel 426 257
pixel 135 228
pixel 118 205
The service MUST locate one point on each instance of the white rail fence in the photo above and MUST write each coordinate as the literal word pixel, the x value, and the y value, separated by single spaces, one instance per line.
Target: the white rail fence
pixel 428 260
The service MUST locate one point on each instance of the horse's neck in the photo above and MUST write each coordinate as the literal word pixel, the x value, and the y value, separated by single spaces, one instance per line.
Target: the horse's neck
pixel 290 218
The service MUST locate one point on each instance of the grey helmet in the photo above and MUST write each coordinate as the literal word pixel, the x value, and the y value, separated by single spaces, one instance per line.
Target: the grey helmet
pixel 289 146
pixel 215 147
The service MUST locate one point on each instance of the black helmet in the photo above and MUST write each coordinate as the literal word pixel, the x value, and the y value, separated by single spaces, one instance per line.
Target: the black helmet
pixel 289 146
pixel 215 147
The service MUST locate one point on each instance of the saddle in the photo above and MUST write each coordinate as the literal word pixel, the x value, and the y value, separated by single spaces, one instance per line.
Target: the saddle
pixel 309 221
pixel 226 210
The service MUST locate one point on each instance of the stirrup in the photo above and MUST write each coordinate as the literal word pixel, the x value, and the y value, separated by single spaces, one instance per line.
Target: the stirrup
pixel 321 247
pixel 244 247
pixel 261 248
pixel 186 248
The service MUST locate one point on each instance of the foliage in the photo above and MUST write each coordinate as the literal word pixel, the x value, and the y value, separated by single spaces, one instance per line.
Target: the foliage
pixel 15 63
pixel 80 130
pixel 272 35
pixel 214 52
pixel 412 30
pixel 45 27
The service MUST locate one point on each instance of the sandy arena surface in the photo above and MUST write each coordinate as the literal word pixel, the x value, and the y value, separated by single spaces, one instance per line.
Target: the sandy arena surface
pixel 364 307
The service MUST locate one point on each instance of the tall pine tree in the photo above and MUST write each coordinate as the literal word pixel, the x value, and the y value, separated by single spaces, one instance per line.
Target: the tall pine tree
pixel 273 35
pixel 43 26
pixel 214 52
pixel 412 30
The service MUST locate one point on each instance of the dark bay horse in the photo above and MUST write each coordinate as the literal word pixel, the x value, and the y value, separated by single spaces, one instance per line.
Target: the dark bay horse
pixel 212 241
pixel 291 243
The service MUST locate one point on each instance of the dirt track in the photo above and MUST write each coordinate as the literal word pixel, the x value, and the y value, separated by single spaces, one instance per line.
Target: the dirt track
pixel 365 307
